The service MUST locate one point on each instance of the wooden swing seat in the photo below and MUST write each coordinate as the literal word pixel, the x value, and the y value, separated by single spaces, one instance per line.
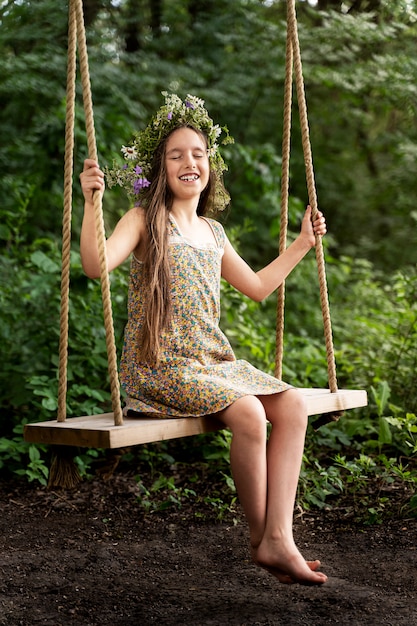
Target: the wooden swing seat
pixel 99 431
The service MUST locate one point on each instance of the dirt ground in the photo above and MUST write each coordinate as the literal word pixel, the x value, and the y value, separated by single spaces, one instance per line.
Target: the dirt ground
pixel 92 557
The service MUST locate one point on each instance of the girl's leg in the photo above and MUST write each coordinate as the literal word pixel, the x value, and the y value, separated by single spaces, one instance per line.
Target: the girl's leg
pixel 247 420
pixel 267 483
pixel 277 551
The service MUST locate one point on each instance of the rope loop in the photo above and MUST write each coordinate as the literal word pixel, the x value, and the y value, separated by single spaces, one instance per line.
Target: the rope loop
pixel 76 34
pixel 293 64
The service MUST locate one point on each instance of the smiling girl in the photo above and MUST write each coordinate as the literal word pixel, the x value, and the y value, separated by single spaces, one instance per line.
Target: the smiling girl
pixel 176 361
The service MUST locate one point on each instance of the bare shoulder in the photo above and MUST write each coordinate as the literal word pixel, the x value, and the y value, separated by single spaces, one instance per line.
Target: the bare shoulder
pixel 136 216
pixel 127 236
pixel 132 224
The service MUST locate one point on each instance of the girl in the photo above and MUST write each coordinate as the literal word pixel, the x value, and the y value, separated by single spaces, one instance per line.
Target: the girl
pixel 176 361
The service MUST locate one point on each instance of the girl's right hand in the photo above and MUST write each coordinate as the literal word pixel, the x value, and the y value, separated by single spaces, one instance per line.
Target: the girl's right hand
pixel 92 179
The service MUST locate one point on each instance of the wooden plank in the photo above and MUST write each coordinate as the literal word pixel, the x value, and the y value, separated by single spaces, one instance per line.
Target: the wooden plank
pixel 99 431
pixel 323 401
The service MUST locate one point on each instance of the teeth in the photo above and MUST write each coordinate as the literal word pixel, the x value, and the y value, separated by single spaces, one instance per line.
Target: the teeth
pixel 189 178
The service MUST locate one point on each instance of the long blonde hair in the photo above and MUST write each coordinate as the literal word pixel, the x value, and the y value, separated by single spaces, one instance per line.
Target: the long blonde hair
pixel 157 202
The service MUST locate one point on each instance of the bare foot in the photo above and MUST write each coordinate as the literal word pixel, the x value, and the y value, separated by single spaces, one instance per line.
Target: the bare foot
pixel 287 565
pixel 279 574
pixel 285 578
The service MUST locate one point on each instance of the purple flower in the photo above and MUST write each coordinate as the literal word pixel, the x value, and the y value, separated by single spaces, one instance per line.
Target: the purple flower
pixel 139 184
pixel 169 116
pixel 138 169
pixel 189 105
pixel 125 166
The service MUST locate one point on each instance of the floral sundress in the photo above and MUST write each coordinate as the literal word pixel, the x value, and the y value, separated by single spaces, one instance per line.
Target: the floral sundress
pixel 198 373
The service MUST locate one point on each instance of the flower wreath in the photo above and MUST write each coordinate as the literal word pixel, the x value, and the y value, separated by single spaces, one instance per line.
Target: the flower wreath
pixel 133 175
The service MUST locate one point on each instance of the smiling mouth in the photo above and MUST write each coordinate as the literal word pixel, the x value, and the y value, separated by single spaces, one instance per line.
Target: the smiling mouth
pixel 189 178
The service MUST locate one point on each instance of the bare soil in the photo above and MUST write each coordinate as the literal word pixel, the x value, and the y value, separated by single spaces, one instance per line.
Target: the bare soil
pixel 92 556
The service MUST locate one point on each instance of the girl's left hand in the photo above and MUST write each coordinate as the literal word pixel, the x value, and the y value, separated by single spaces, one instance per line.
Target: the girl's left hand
pixel 311 229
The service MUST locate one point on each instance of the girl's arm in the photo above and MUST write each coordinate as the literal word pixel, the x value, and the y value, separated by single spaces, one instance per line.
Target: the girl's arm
pixel 125 237
pixel 259 285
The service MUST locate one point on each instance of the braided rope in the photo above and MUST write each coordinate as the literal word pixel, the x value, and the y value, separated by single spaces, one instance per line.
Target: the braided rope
pixel 76 31
pixel 67 211
pixel 99 220
pixel 285 177
pixel 292 34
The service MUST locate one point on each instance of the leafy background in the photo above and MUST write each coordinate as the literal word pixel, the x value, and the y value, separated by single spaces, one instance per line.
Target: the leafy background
pixel 360 72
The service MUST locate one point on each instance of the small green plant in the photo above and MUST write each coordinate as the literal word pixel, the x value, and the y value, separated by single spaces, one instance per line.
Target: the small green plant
pixel 405 432
pixel 36 468
pixel 23 459
pixel 397 430
pixel 411 507
pixel 163 494
pixel 381 397
pixel 318 484
pixel 222 508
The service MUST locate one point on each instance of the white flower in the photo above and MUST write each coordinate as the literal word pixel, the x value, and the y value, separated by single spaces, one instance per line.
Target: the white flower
pixel 217 131
pixel 198 102
pixel 212 151
pixel 129 152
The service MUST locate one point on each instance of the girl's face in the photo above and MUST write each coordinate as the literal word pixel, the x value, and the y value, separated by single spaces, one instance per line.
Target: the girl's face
pixel 187 164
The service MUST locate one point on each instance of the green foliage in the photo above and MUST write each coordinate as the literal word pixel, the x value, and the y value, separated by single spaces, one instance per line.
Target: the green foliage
pixel 372 352
pixel 22 458
pixel 29 332
pixel 363 128
pixel 374 325
pixel 375 321
pixel 360 75
pixel 317 484
pixel 254 183
pixel 205 464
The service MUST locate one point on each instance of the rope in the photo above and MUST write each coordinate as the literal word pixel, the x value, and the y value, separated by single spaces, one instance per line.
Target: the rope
pixel 101 236
pixel 293 54
pixel 293 59
pixel 76 26
pixel 285 177
pixel 66 221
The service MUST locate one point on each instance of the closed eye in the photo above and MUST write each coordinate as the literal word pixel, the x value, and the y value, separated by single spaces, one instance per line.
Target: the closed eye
pixel 175 155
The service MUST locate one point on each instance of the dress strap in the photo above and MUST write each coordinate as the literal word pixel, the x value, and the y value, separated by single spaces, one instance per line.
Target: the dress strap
pixel 174 226
pixel 216 228
pixel 218 232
